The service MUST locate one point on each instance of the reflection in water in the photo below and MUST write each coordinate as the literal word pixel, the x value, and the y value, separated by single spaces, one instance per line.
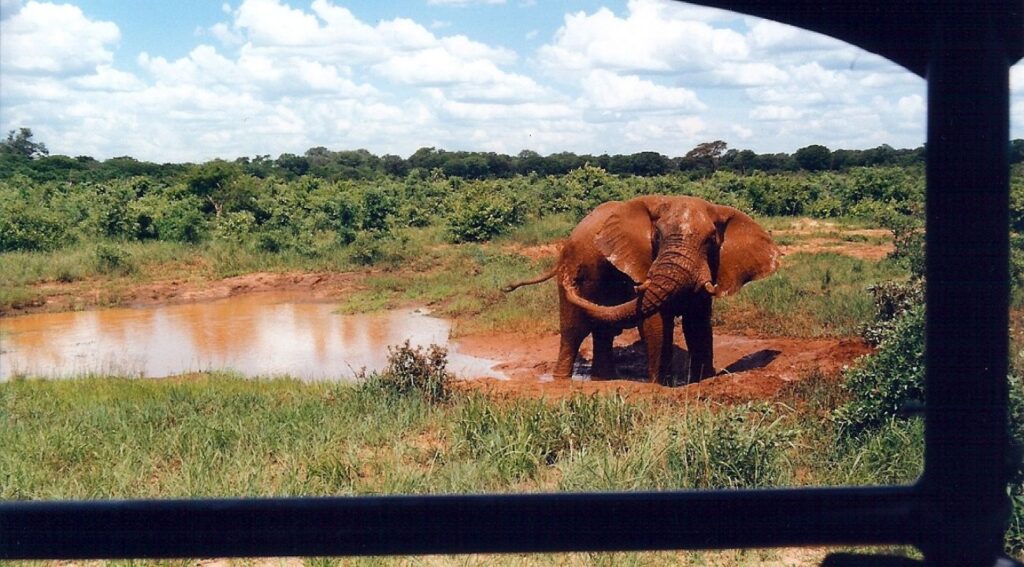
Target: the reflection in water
pixel 257 334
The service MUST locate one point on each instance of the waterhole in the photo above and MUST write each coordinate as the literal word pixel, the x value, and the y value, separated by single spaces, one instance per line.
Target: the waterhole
pixel 260 334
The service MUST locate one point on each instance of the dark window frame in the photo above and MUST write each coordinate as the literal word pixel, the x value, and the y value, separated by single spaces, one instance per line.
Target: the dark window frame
pixel 956 513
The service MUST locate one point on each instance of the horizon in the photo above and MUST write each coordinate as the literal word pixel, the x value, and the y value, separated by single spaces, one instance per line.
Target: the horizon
pixel 198 80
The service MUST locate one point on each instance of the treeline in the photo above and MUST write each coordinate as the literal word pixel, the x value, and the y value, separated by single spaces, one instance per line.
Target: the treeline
pixel 20 155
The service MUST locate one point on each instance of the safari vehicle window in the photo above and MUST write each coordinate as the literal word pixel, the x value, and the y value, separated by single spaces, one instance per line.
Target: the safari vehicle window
pixel 605 311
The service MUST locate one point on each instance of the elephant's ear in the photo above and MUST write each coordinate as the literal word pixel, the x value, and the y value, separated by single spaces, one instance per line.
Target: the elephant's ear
pixel 626 239
pixel 747 254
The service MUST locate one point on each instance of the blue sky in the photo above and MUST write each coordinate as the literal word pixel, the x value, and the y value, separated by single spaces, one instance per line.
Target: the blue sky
pixel 192 80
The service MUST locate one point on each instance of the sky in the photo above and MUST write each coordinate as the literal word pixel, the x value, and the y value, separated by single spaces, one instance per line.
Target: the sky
pixel 193 80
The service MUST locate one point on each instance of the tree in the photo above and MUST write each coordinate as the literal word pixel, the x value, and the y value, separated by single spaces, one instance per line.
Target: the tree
pixel 19 143
pixel 293 165
pixel 814 157
pixel 705 156
pixel 211 182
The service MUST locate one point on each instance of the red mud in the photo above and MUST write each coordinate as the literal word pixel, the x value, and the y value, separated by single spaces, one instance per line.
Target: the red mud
pixel 751 368
pixel 86 294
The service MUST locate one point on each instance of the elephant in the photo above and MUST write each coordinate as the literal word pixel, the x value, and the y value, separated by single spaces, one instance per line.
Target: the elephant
pixel 644 262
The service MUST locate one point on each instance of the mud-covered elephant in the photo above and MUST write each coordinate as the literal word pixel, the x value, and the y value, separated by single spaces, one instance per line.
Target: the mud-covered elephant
pixel 644 262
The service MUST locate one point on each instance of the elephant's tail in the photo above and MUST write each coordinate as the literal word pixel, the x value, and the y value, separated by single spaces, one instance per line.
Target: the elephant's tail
pixel 544 277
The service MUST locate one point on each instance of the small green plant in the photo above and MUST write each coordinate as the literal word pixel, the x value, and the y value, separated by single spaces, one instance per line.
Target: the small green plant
pixel 112 259
pixel 419 371
pixel 374 248
pixel 892 300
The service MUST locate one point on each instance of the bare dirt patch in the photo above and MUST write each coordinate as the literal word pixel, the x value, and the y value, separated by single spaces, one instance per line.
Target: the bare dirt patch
pixel 89 294
pixel 537 252
pixel 751 368
pixel 815 236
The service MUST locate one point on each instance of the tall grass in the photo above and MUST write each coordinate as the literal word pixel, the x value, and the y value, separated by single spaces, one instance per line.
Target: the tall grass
pixel 812 295
pixel 211 435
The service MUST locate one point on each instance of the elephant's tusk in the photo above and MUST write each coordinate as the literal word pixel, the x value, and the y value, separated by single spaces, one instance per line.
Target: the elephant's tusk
pixel 710 288
pixel 642 287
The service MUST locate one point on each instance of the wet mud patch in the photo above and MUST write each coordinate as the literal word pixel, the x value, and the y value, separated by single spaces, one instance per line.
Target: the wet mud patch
pixel 750 368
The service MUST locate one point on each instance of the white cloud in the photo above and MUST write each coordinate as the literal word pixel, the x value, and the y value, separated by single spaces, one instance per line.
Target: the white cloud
pixel 54 39
pixel 644 41
pixel 605 90
pixel 742 132
pixel 275 77
pixel 775 113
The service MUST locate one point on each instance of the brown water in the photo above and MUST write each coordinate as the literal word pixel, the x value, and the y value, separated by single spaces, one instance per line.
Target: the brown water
pixel 259 334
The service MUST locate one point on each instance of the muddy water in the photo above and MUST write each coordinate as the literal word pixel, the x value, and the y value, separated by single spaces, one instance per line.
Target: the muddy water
pixel 259 334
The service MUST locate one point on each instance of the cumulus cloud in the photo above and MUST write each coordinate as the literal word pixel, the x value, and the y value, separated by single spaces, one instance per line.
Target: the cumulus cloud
pixel 276 77
pixel 605 90
pixel 643 41
pixel 53 39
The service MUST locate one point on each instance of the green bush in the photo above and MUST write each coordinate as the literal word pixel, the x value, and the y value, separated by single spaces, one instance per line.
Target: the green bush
pixel 374 248
pixel 482 211
pixel 180 220
pixel 27 227
pixel 419 371
pixel 112 259
pixel 908 239
pixel 884 384
pixel 110 214
pixel 892 299
pixel 236 227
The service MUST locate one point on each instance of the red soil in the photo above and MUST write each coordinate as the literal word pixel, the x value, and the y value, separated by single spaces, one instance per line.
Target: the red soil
pixel 751 368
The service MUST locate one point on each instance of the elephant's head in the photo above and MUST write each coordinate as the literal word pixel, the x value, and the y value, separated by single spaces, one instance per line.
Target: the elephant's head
pixel 673 247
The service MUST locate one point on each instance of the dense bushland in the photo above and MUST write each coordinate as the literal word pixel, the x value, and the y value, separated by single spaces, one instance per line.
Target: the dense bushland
pixel 217 203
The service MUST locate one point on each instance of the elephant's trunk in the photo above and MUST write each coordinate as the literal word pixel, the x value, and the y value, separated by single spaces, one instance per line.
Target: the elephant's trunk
pixel 678 269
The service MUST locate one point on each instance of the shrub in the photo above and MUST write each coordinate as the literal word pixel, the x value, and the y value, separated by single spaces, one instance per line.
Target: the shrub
pixel 27 227
pixel 892 300
pixel 236 227
pixel 887 382
pixel 180 220
pixel 112 259
pixel 481 213
pixel 374 248
pixel 419 371
pixel 908 239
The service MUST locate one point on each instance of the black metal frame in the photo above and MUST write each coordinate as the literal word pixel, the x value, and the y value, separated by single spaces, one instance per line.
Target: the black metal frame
pixel 956 513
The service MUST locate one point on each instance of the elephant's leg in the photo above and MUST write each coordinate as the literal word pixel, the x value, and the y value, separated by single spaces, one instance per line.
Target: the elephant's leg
pixel 656 332
pixel 699 339
pixel 573 329
pixel 568 348
pixel 604 366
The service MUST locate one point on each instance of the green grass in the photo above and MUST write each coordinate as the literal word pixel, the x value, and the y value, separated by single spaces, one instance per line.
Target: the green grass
pixel 812 295
pixel 214 435
pixel 540 231
pixel 465 282
pixel 221 435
